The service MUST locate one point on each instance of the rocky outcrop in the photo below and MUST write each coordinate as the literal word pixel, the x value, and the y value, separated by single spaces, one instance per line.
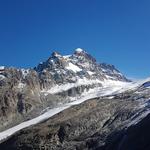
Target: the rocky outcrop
pixel 20 96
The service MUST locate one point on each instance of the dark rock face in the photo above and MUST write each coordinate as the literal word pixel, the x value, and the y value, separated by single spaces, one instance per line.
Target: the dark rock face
pixel 136 137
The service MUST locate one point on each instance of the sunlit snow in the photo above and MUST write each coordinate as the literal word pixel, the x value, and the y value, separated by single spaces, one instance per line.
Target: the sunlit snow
pixel 79 50
pixel 73 67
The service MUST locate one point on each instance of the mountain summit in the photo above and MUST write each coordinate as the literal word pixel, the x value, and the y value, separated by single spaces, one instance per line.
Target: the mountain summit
pixel 79 50
pixel 78 65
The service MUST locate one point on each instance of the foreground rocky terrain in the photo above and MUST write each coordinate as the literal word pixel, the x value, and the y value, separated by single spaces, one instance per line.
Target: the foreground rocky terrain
pixel 106 123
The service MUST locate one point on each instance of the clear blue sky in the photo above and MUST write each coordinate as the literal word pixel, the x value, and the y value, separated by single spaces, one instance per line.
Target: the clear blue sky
pixel 113 31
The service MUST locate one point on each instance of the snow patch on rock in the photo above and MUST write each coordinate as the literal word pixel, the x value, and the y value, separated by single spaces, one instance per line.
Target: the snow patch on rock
pixel 2 67
pixel 73 67
pixel 79 50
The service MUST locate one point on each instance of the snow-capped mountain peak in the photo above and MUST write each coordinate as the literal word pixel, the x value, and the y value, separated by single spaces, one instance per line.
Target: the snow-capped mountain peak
pixel 77 69
pixel 79 50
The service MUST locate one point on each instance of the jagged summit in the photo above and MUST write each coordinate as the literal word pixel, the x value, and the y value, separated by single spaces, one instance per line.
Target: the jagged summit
pixel 55 54
pixel 77 51
pixel 77 66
